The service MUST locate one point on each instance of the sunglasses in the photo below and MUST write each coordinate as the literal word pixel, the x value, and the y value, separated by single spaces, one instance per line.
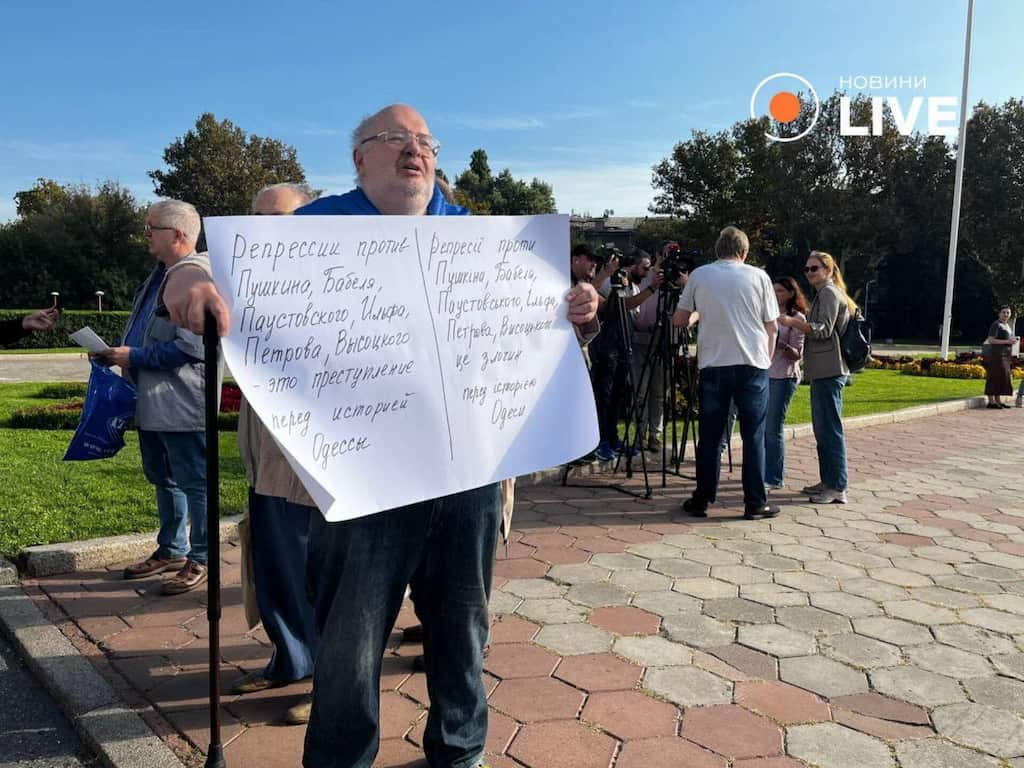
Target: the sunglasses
pixel 811 269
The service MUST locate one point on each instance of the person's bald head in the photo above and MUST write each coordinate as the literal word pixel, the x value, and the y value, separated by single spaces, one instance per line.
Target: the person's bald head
pixel 281 199
pixel 395 169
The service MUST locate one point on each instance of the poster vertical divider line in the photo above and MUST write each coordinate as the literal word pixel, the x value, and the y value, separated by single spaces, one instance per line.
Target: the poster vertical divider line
pixel 437 344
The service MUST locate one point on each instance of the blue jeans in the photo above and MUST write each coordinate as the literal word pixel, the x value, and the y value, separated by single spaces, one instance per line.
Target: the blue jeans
pixel 604 376
pixel 748 387
pixel 280 535
pixel 175 463
pixel 827 420
pixel 357 572
pixel 780 393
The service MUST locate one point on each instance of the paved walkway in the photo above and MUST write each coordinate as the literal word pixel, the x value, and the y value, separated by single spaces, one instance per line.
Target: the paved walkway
pixel 887 632
pixel 68 366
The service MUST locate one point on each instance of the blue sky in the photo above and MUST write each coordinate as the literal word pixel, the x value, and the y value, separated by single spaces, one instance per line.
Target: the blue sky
pixel 587 96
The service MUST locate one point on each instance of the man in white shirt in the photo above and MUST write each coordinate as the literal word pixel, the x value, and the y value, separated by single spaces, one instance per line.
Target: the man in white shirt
pixel 738 311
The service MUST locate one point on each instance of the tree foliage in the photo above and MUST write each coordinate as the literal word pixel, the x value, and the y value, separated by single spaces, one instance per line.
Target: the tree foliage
pixel 502 195
pixel 219 168
pixel 879 204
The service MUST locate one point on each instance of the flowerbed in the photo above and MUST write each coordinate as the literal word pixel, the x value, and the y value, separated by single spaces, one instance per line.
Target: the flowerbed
pixel 967 365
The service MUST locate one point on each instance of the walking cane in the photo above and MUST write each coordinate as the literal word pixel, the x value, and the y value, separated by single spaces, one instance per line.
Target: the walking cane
pixel 215 752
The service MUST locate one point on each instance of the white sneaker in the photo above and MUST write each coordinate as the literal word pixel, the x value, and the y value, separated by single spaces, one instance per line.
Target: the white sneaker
pixel 812 489
pixel 829 496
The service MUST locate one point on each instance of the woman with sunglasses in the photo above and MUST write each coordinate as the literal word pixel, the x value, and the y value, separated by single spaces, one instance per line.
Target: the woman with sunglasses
pixel 783 377
pixel 825 368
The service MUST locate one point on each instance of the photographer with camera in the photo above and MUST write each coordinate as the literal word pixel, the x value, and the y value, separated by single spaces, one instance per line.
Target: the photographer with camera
pixel 624 283
pixel 738 311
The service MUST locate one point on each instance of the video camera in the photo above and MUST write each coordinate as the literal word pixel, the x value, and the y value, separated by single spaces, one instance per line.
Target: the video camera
pixel 619 278
pixel 677 261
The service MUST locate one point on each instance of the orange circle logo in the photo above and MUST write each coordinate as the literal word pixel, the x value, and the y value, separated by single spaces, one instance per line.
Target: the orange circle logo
pixel 784 107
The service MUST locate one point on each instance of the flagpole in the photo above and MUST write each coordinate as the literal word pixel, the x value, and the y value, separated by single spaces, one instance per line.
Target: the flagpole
pixel 954 230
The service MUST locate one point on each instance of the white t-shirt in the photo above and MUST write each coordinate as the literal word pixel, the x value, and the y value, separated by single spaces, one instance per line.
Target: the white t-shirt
pixel 734 300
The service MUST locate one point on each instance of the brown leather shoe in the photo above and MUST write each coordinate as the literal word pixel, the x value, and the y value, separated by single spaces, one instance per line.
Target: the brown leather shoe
pixel 188 578
pixel 254 682
pixel 152 565
pixel 298 714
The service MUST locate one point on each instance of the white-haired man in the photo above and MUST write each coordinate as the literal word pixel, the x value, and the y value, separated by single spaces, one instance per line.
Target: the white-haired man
pixel 164 362
pixel 443 547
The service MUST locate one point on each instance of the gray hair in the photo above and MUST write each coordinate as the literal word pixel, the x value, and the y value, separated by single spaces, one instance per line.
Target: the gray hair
pixel 358 136
pixel 732 243
pixel 178 214
pixel 299 188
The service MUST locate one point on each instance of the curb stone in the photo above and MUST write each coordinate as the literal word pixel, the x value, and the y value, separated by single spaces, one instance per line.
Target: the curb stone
pixel 115 732
pixel 55 559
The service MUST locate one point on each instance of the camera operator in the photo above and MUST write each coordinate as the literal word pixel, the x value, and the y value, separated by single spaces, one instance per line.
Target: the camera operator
pixel 582 269
pixel 631 278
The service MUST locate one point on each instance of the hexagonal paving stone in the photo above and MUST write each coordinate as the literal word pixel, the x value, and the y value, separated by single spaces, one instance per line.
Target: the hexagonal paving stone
pixel 686 541
pixel 949 661
pixel 879 707
pixel 813 620
pixel 678 568
pixel 1008 603
pixel 988 572
pixel 1009 664
pixel 670 752
pixel 919 613
pixel 557 611
pixel 511 660
pixel 774 595
pixel 503 603
pixel 850 606
pixel 777 641
pixel 578 573
pixel 983 727
pixel 597 594
pixel 968 584
pixel 641 581
pixel 973 639
pixel 714 557
pixel 625 620
pixel 653 651
pixel 899 577
pixel 667 603
pixel 873 590
pixel 822 676
pixel 732 731
pixel 997 692
pixel 752 663
pixel 619 562
pixel 918 686
pixel 947 598
pixel 533 588
pixel 650 550
pixel 572 639
pixel 770 562
pixel 688 686
pixel 741 574
pixel 699 631
pixel 833 746
pixel 806 582
pixel 997 621
pixel 895 631
pixel 631 715
pixel 860 651
pixel 533 699
pixel 599 672
pixel 738 609
pixel 707 589
pixel 933 753
pixel 561 745
pixel 783 703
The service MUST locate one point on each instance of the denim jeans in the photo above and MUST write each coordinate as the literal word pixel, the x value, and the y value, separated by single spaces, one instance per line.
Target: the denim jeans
pixel 280 537
pixel 748 387
pixel 357 571
pixel 175 463
pixel 827 420
pixel 780 393
pixel 604 375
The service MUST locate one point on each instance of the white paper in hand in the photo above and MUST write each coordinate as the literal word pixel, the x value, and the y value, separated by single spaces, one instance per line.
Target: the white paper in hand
pixel 86 337
pixel 403 358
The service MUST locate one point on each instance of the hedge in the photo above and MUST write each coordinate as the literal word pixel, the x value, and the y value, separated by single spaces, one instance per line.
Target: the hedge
pixel 108 325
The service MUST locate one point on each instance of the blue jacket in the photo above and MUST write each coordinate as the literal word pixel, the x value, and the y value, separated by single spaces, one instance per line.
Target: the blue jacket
pixel 356 203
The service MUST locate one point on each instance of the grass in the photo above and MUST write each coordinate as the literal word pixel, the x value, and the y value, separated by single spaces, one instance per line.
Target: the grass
pixel 51 351
pixel 45 500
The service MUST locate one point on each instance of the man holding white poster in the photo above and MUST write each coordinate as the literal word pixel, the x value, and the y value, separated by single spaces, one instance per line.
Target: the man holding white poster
pixel 462 388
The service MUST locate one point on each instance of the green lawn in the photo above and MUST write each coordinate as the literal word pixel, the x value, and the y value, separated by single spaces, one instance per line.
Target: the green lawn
pixel 44 499
pixel 49 351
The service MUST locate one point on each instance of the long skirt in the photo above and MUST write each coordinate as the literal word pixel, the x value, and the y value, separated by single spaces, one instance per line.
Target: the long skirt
pixel 997 379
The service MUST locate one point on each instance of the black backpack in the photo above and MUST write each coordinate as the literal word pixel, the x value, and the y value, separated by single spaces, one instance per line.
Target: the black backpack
pixel 854 343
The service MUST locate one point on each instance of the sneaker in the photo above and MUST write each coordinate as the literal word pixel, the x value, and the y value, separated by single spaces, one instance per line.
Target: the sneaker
pixel 604 452
pixel 192 575
pixel 752 513
pixel 812 489
pixel 298 714
pixel 829 496
pixel 654 444
pixel 774 486
pixel 1003 405
pixel 253 683
pixel 696 507
pixel 993 406
pixel 152 565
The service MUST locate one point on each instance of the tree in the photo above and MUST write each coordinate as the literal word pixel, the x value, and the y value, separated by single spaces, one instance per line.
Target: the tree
pixel 502 195
pixel 219 168
pixel 45 194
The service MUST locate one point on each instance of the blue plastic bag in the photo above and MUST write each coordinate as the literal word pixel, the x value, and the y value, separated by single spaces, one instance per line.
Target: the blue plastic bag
pixel 109 407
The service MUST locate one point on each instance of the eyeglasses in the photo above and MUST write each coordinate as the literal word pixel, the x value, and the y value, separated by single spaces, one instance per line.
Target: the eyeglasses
pixel 811 269
pixel 149 229
pixel 397 138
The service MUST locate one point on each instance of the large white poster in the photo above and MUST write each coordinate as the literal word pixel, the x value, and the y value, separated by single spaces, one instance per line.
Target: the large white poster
pixel 402 358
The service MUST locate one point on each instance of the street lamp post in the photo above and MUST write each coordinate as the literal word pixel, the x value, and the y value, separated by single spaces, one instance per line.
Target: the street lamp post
pixel 55 295
pixel 99 301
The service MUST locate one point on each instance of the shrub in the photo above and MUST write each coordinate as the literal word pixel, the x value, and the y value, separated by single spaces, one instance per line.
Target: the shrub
pixel 58 416
pixel 956 371
pixel 63 390
pixel 911 369
pixel 109 326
